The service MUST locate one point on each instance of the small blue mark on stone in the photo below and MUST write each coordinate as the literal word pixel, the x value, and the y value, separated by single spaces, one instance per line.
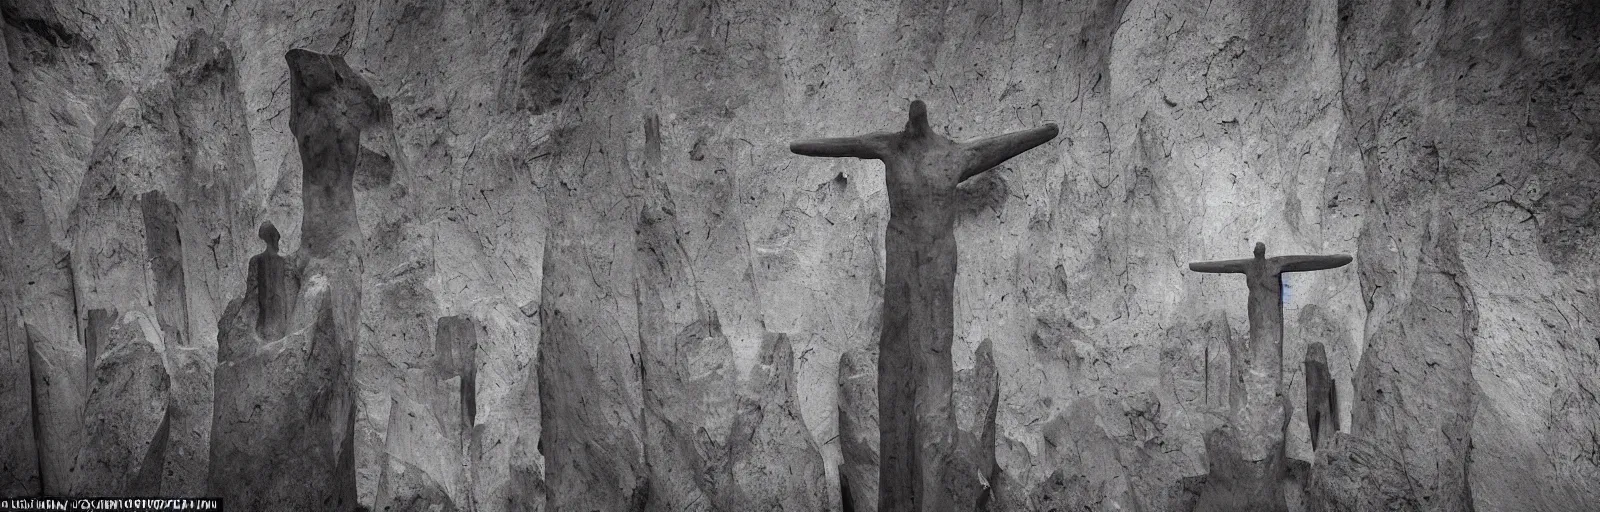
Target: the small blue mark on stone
pixel 1285 291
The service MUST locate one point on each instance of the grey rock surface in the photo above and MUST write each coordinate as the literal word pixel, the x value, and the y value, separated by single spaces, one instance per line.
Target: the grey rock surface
pixel 127 417
pixel 1448 146
pixel 858 429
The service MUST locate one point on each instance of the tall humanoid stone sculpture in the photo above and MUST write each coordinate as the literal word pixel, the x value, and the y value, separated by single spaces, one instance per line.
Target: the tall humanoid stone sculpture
pixel 1258 372
pixel 916 426
pixel 1258 408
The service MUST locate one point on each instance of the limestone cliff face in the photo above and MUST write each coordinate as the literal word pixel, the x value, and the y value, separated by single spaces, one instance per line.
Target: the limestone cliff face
pixel 556 255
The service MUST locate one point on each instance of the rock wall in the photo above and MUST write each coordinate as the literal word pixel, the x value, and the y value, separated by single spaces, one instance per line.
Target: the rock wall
pixel 1476 122
pixel 504 161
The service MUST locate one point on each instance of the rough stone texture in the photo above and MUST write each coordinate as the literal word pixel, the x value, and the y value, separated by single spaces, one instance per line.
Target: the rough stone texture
pixel 972 469
pixel 590 392
pixel 1424 417
pixel 686 365
pixel 1236 480
pixel 20 465
pixel 126 417
pixel 423 468
pixel 1188 130
pixel 58 409
pixel 1352 474
pixel 430 445
pixel 773 463
pixel 1477 126
pixel 19 449
pixel 858 429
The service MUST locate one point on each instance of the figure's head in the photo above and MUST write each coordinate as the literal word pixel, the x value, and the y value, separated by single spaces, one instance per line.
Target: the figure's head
pixel 268 234
pixel 1261 250
pixel 918 122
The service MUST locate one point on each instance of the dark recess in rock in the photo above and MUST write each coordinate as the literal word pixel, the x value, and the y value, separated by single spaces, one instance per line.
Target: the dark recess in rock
pixel 48 30
pixel 457 341
pixel 1322 397
pixel 548 71
pixel 274 287
pixel 94 339
pixel 34 411
pixel 164 248
pixel 148 481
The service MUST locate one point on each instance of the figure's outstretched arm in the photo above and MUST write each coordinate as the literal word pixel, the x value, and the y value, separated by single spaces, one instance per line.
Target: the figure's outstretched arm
pixel 1222 266
pixel 984 154
pixel 871 146
pixel 1304 263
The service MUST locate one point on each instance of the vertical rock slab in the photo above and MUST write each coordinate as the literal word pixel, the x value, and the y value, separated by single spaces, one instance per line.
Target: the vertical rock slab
pixel 190 364
pixel 220 191
pixel 422 467
pixel 126 275
pixel 525 487
pixel 456 344
pixel 429 451
pixel 188 451
pixel 19 448
pixel 58 398
pixel 126 420
pixel 164 250
pixel 589 383
pixel 774 464
pixel 972 469
pixel 53 103
pixel 1479 114
pixel 295 394
pixel 1415 394
pixel 19 453
pixel 589 387
pixel 446 196
pixel 24 463
pixel 858 428
pixel 686 363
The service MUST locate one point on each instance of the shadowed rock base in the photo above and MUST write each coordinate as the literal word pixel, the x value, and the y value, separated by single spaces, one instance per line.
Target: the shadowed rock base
pixel 588 391
pixel 57 408
pixel 1234 483
pixel 858 429
pixel 1354 474
pixel 126 418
